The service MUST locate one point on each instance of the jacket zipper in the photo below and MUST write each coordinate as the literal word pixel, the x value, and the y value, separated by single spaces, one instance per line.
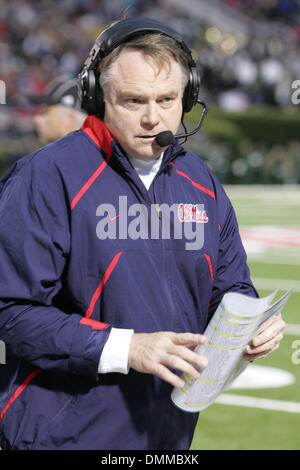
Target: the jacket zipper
pixel 166 275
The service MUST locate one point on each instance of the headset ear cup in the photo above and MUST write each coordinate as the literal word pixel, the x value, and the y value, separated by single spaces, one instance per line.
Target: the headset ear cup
pixel 92 101
pixel 92 94
pixel 88 91
pixel 191 91
pixel 186 98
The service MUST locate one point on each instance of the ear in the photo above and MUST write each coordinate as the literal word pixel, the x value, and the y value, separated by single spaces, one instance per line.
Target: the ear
pixel 70 119
pixel 72 116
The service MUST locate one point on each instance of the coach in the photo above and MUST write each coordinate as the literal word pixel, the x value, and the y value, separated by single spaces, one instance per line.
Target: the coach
pixel 99 328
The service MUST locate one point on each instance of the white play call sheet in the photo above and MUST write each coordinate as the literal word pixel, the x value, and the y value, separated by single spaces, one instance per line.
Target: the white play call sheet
pixel 237 318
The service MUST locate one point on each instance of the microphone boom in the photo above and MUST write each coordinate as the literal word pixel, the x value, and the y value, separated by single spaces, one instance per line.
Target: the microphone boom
pixel 165 138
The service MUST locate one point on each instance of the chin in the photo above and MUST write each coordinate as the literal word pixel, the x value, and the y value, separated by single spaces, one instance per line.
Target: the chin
pixel 147 154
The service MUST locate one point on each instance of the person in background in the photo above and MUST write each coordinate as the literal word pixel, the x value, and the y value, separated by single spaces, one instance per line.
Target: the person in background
pixel 59 110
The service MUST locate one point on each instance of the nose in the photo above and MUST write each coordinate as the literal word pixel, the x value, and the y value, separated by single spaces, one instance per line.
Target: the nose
pixel 151 117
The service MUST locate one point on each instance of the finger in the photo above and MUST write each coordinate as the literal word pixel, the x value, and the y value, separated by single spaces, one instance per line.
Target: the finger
pixel 268 333
pixel 266 337
pixel 275 321
pixel 165 374
pixel 166 361
pixel 188 338
pixel 185 353
pixel 267 346
pixel 254 357
pixel 266 324
pixel 175 362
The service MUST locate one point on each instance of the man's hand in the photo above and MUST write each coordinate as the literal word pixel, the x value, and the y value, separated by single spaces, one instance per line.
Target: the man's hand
pixel 154 353
pixel 266 340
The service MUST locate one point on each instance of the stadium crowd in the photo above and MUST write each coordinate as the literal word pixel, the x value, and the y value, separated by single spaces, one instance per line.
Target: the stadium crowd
pixel 247 50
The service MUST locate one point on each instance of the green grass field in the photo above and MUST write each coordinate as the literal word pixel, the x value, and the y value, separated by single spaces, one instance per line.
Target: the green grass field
pixel 272 217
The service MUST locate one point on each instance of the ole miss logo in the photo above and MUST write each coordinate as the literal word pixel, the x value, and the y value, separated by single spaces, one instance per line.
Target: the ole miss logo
pixel 191 213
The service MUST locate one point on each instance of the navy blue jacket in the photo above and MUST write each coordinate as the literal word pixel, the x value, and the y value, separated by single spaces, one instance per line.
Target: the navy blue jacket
pixel 63 286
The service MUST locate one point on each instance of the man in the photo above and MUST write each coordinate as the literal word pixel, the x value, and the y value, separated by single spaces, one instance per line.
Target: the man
pixel 59 110
pixel 100 311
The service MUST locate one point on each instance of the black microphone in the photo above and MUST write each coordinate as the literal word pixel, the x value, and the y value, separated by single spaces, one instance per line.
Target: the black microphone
pixel 165 138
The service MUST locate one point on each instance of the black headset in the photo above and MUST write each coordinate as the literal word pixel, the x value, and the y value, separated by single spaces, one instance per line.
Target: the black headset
pixel 91 93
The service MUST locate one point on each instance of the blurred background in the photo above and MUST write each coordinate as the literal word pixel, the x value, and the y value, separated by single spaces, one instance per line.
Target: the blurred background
pixel 248 55
pixel 247 51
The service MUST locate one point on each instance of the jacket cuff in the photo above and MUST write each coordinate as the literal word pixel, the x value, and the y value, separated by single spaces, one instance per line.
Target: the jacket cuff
pixel 114 357
pixel 87 345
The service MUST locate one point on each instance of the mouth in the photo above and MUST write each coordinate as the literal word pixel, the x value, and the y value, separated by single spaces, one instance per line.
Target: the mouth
pixel 147 138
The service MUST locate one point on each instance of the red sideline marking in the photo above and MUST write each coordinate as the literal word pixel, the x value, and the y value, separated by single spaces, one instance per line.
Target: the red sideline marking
pixel 19 391
pixel 282 237
pixel 197 185
pixel 207 257
pixel 99 133
pixel 96 325
pixel 98 291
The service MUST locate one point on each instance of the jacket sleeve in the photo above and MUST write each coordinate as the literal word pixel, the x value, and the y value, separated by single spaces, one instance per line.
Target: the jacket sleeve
pixel 34 248
pixel 232 271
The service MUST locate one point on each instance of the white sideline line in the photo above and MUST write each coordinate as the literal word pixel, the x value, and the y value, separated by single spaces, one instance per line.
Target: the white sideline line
pixel 292 329
pixel 282 284
pixel 254 258
pixel 262 403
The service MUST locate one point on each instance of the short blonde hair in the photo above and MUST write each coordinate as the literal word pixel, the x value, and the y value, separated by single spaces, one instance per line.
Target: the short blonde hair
pixel 156 46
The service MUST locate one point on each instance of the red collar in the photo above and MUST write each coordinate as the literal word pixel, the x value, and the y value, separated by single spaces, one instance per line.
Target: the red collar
pixel 95 128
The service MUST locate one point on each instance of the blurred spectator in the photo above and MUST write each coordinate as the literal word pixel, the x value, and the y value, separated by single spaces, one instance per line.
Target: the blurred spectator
pixel 247 51
pixel 251 45
pixel 59 110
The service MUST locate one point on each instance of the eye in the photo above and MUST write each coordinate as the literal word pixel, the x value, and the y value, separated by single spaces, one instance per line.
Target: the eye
pixel 133 103
pixel 166 101
pixel 133 100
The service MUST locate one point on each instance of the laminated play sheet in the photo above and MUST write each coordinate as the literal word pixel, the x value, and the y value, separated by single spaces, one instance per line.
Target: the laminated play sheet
pixel 236 320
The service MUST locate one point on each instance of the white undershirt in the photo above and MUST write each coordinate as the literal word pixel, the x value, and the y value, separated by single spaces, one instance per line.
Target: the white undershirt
pixel 146 169
pixel 114 357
